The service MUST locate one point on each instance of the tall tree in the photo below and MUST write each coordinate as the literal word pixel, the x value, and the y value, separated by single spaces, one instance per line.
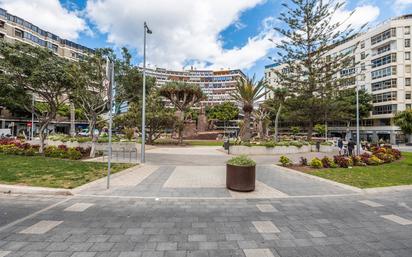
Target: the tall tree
pixel 247 92
pixel 404 121
pixel 276 104
pixel 129 81
pixel 262 121
pixel 309 33
pixel 223 112
pixel 182 96
pixel 344 105
pixel 91 91
pixel 36 71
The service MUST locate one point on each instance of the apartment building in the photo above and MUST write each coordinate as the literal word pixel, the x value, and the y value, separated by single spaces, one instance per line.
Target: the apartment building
pixel 15 29
pixel 216 85
pixel 383 54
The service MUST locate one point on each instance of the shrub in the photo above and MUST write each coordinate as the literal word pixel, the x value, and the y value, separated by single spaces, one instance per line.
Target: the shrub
pixel 328 162
pixel 303 161
pixel 241 160
pixel 365 157
pixel 298 144
pixel 373 160
pixel 316 163
pixel 342 161
pixel 269 144
pixel 357 161
pixel 62 147
pixel 396 154
pixel 54 152
pixel 285 161
pixel 129 133
pixel 74 154
pixel 30 151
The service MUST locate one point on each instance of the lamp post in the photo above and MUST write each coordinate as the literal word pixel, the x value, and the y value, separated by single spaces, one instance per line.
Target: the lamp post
pixel 146 31
pixel 110 84
pixel 32 118
pixel 357 110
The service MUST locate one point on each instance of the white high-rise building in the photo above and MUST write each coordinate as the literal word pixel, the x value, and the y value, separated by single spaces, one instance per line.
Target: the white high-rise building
pixel 384 70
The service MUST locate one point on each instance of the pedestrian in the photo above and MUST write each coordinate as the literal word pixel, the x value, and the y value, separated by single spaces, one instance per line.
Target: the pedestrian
pixel 340 145
pixel 318 146
pixel 351 146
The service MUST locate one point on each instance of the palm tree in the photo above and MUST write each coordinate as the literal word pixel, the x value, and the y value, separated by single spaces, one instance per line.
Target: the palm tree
pixel 247 92
pixel 404 121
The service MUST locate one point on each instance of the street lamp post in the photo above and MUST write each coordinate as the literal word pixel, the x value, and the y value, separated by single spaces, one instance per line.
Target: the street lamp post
pixel 357 109
pixel 32 118
pixel 142 157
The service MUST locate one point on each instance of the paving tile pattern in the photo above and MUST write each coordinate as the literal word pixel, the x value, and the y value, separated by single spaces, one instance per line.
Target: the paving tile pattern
pixel 322 226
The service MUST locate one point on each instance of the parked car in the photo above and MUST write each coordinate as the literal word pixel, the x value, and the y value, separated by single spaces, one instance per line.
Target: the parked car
pixel 86 133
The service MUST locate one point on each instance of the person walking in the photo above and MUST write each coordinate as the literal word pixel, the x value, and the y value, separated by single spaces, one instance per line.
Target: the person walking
pixel 340 145
pixel 351 146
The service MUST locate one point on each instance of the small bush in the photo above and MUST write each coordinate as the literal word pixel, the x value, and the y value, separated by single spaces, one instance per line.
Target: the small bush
pixel 342 161
pixel 303 161
pixel 73 154
pixel 373 160
pixel 328 162
pixel 269 144
pixel 128 133
pixel 241 160
pixel 285 161
pixel 316 163
pixel 357 161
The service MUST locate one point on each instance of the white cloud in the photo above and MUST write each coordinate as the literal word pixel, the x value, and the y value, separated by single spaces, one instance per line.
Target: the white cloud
pixel 184 32
pixel 362 15
pixel 48 15
pixel 401 5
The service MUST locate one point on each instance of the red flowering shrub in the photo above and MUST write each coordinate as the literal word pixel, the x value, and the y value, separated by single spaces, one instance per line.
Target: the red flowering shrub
pixel 343 161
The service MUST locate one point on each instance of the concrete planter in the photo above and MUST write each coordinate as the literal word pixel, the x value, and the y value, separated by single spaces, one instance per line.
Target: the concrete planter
pixel 239 178
pixel 277 150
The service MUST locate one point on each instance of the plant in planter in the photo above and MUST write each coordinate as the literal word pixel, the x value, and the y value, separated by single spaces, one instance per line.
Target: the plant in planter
pixel 241 174
pixel 285 161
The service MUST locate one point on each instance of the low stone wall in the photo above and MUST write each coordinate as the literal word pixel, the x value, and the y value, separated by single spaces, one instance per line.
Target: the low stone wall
pixel 263 150
pixel 116 146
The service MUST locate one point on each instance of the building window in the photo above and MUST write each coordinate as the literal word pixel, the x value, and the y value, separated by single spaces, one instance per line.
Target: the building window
pixel 383 49
pixel 362 44
pixel 362 55
pixel 388 71
pixel 385 97
pixel 408 95
pixel 384 35
pixel 407 56
pixel 2 23
pixel 363 67
pixel 383 60
pixel 18 33
pixel 407 30
pixel 407 82
pixel 407 42
pixel 408 68
pixel 390 83
pixel 1 36
pixel 384 109
pixel 408 106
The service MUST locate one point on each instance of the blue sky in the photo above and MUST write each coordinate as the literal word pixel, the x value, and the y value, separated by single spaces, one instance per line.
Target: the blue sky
pixel 201 33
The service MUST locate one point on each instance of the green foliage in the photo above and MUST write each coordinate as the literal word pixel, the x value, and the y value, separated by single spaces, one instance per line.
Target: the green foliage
pixel 308 32
pixel 73 154
pixel 294 130
pixel 242 160
pixel 320 129
pixel 129 133
pixel 404 121
pixel 328 162
pixel 285 161
pixel 224 112
pixel 373 160
pixel 316 163
pixel 344 105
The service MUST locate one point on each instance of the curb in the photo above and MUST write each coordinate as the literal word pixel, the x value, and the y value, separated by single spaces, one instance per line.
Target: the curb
pixel 347 187
pixel 387 189
pixel 14 189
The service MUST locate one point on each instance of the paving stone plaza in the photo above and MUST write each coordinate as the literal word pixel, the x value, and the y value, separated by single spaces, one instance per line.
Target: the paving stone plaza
pixel 184 209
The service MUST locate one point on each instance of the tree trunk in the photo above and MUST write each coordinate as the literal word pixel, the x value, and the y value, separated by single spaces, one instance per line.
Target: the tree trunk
pixel 310 131
pixel 93 149
pixel 181 127
pixel 72 120
pixel 92 125
pixel 246 134
pixel 42 136
pixel 277 123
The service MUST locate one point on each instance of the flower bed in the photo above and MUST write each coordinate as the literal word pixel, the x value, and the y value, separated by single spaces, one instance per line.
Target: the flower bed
pixel 283 147
pixel 17 147
pixel 379 156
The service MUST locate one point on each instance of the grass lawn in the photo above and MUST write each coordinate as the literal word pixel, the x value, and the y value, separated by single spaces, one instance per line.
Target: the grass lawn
pixel 392 174
pixel 50 172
